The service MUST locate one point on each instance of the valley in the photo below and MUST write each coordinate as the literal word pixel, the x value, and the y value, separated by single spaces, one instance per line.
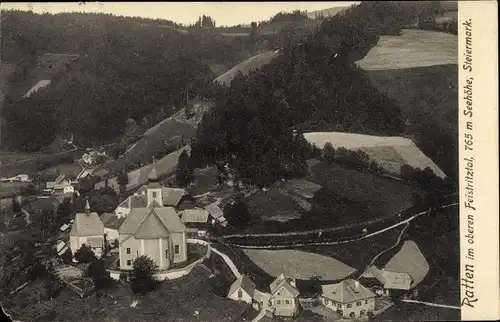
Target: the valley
pixel 264 143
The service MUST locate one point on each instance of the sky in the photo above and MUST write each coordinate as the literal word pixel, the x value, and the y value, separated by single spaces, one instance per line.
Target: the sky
pixel 224 13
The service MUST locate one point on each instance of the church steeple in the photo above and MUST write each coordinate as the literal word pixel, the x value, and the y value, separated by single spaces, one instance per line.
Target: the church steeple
pixel 154 189
pixel 87 207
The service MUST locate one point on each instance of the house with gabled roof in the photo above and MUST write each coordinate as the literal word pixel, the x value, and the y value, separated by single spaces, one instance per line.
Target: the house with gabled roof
pixel 242 290
pixel 153 230
pixel 216 213
pixel 88 229
pixel 284 296
pixel 386 282
pixel 196 220
pixel 132 201
pixel 349 298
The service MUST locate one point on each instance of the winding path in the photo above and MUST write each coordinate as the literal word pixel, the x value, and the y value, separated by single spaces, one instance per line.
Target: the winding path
pixel 319 234
pixel 432 304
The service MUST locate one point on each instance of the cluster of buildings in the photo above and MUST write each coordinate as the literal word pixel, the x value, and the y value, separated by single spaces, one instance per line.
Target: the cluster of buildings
pixel 60 186
pixel 349 298
pixel 17 178
pixel 155 221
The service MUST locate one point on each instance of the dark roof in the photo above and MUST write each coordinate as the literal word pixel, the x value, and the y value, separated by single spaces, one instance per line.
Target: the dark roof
pixel 112 221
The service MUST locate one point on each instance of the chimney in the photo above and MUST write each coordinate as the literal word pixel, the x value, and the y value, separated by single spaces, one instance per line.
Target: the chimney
pixel 356 284
pixel 87 207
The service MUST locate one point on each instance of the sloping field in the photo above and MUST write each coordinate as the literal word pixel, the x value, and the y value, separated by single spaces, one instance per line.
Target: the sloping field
pixel 389 152
pixel 414 48
pixel 167 135
pixel 299 264
pixel 164 167
pixel 273 205
pixel 245 67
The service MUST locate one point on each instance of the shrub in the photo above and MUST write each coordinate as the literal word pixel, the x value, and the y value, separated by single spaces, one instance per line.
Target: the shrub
pixel 142 279
pixel 85 255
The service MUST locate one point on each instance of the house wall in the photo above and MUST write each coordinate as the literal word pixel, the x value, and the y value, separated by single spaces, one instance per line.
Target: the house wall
pixel 111 234
pixel 283 303
pixel 245 297
pixel 179 239
pixel 68 189
pixel 135 251
pixel 357 307
pixel 157 249
pixel 152 250
pixel 75 242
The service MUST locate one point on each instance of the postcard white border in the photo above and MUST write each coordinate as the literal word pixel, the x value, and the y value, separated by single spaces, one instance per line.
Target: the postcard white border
pixel 478 160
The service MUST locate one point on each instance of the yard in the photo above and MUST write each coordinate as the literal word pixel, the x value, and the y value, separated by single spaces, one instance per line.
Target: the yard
pixel 179 300
pixel 299 264
pixel 273 205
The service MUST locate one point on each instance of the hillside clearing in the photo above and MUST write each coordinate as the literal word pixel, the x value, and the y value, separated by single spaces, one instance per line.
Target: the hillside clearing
pixel 414 48
pixel 299 264
pixel 245 67
pixel 164 167
pixel 389 152
pixel 273 205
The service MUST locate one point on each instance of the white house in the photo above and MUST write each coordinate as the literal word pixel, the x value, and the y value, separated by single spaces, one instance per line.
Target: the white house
pixel 87 229
pixel 349 298
pixel 284 296
pixel 242 290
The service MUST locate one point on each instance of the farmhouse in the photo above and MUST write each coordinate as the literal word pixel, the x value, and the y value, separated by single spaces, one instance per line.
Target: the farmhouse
pixel 126 206
pixel 59 186
pixel 409 259
pixel 87 229
pixel 284 296
pixel 216 213
pixel 349 298
pixel 111 224
pixel 385 282
pixel 61 247
pixel 196 221
pixel 154 230
pixel 242 290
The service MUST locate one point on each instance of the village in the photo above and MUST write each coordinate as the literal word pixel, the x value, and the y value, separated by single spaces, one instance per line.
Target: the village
pixel 178 231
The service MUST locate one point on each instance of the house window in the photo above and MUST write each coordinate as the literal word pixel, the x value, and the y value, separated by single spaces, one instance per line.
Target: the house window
pixel 154 194
pixel 176 249
pixel 326 301
pixel 287 301
pixel 339 306
pixel 358 303
pixel 366 301
pixel 278 302
pixel 240 294
pixel 349 306
pixel 166 253
pixel 128 251
pixel 129 262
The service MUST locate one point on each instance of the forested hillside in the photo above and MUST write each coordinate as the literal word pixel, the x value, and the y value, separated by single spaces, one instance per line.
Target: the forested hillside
pixel 125 68
pixel 313 85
